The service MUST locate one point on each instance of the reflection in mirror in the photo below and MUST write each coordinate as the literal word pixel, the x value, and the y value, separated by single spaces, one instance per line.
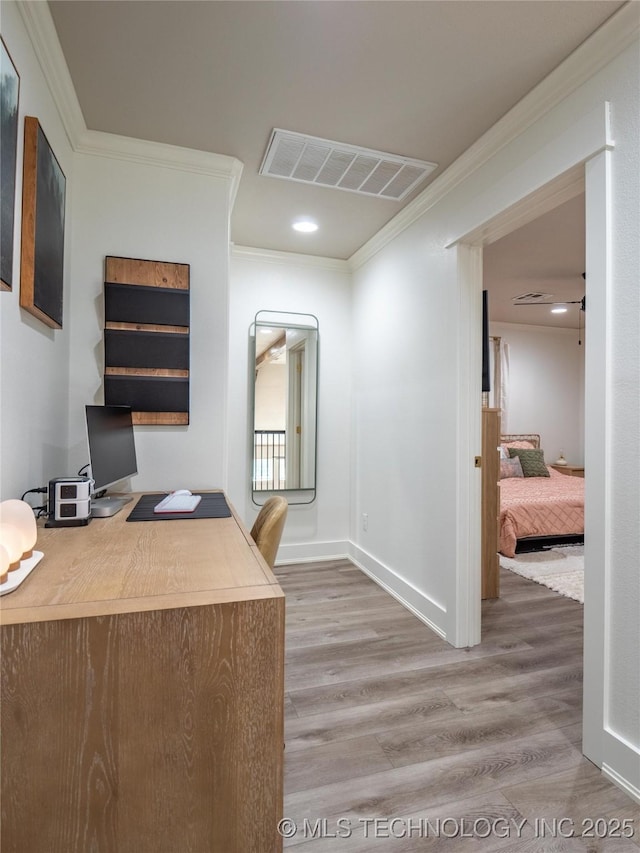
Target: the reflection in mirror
pixel 284 406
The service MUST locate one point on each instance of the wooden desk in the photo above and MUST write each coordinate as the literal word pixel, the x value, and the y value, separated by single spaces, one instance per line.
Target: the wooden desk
pixel 142 692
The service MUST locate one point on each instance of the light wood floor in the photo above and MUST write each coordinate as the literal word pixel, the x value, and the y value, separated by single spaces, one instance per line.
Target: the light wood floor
pixel 384 720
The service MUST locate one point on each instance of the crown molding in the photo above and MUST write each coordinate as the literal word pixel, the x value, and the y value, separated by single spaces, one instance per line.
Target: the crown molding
pixel 613 37
pixel 270 256
pixel 44 38
pixel 142 151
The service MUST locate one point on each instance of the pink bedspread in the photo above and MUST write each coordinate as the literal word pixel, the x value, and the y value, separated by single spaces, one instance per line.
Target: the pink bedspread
pixel 539 506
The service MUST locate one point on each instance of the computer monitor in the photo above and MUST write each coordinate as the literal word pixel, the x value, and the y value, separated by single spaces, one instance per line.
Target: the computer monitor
pixel 112 454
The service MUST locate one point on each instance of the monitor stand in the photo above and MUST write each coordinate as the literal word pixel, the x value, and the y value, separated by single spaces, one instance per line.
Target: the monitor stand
pixel 108 505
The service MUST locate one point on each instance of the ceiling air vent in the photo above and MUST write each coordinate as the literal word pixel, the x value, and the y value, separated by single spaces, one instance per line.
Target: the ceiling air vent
pixel 532 298
pixel 310 160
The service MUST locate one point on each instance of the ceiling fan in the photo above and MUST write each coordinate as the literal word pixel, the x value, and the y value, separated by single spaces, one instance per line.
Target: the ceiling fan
pixel 536 298
pixel 544 299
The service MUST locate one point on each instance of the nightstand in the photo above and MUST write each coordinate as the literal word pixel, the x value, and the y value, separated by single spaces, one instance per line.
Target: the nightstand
pixel 569 470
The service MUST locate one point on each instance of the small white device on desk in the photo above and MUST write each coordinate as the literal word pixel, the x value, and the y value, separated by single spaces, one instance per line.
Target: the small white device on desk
pixel 179 501
pixel 69 501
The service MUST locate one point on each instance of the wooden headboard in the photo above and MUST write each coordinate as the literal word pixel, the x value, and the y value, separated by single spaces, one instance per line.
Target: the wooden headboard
pixel 532 437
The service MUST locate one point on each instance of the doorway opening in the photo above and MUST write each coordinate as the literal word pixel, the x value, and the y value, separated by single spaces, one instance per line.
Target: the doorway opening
pixel 534 285
pixel 593 177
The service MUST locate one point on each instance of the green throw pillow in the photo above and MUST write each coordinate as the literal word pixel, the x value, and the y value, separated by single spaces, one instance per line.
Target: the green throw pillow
pixel 532 462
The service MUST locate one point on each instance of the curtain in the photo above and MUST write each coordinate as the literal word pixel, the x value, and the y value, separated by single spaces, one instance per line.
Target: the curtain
pixel 499 394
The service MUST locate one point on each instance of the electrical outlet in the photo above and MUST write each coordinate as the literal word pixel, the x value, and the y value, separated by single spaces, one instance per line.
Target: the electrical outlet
pixel 365 521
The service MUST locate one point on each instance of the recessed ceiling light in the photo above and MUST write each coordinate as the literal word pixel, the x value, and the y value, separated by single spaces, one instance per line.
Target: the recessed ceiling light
pixel 305 226
pixel 559 310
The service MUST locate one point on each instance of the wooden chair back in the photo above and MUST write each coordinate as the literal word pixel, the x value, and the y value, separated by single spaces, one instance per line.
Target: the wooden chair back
pixel 267 529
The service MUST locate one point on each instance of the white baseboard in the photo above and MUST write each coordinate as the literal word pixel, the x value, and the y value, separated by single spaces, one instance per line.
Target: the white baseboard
pixel 310 552
pixel 622 766
pixel 428 611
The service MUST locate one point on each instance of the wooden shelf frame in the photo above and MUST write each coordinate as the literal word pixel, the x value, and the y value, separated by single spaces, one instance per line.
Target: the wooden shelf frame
pixel 146 339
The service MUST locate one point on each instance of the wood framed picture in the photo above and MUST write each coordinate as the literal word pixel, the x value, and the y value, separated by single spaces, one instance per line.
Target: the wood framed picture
pixel 43 203
pixel 9 95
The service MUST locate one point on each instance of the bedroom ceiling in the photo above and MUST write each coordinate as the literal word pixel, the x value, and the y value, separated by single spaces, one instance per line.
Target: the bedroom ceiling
pixel 421 80
pixel 545 256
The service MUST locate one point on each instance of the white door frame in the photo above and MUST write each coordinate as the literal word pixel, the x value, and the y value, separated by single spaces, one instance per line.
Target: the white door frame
pixel 295 414
pixel 585 152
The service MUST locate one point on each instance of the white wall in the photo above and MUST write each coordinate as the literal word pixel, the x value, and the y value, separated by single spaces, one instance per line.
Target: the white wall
pixel 129 209
pixel 263 281
pixel 404 421
pixel 128 204
pixel 405 394
pixel 546 387
pixel 34 367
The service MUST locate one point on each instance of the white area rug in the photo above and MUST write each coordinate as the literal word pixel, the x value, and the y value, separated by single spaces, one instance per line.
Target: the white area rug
pixel 560 568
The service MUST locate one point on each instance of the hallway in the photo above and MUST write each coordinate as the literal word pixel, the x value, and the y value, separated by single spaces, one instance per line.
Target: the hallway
pixel 385 720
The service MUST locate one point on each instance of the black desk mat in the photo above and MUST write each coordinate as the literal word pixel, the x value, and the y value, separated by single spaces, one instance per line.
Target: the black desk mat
pixel 212 505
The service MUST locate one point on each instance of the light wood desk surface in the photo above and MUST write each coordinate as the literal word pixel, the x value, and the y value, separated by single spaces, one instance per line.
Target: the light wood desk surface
pixel 115 566
pixel 143 692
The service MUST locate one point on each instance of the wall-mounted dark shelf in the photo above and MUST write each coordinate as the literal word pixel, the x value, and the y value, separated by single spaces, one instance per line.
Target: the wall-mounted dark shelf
pixel 133 303
pixel 133 348
pixel 146 391
pixel 146 339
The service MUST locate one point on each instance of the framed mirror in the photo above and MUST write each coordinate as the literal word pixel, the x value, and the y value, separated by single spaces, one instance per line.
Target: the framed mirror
pixel 284 421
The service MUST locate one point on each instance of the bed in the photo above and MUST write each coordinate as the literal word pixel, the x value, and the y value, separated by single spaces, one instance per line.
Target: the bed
pixel 549 509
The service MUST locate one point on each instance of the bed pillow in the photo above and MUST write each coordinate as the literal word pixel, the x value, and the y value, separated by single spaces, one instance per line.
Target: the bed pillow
pixel 510 468
pixel 522 443
pixel 506 445
pixel 532 461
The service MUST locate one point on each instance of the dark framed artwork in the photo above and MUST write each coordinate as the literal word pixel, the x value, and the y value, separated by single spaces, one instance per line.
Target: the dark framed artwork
pixel 9 95
pixel 42 252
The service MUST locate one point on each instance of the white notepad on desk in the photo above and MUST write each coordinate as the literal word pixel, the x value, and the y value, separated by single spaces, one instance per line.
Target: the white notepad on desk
pixel 178 503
